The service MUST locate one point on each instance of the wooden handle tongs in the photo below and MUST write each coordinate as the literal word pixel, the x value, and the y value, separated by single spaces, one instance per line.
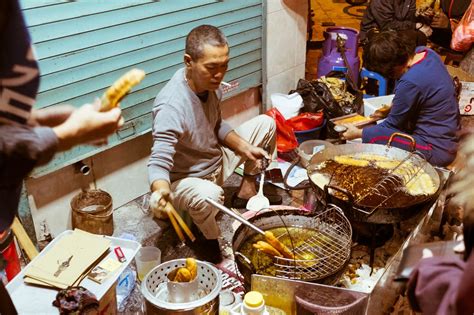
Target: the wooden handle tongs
pixel 178 223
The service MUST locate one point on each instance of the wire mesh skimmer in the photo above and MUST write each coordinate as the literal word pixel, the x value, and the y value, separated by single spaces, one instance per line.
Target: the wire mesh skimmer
pixel 324 253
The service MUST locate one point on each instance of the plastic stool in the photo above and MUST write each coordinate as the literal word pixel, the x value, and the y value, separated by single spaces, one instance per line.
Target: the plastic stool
pixel 364 73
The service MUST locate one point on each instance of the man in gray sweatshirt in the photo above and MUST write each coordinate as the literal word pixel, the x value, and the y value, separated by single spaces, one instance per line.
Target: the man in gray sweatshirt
pixel 194 150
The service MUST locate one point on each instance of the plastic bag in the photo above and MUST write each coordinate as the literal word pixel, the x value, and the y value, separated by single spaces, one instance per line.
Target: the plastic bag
pixel 288 105
pixel 306 121
pixel 318 98
pixel 286 140
pixel 463 35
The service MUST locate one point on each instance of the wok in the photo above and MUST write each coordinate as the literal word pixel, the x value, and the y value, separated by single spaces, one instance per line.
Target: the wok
pixel 380 214
pixel 331 267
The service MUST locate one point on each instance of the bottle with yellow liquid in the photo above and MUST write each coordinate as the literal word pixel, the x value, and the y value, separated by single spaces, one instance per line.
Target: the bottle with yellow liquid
pixel 254 304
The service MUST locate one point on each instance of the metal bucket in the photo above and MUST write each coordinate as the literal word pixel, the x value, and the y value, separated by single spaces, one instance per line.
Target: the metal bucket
pixel 157 302
pixel 92 212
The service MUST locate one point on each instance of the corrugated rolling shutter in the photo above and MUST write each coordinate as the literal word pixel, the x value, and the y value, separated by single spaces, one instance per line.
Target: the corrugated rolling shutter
pixel 83 46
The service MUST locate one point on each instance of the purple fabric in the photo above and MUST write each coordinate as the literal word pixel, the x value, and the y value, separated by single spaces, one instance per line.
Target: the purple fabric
pixel 442 285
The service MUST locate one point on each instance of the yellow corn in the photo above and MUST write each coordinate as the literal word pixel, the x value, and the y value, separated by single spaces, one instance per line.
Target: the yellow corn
pixel 183 275
pixel 191 265
pixel 120 87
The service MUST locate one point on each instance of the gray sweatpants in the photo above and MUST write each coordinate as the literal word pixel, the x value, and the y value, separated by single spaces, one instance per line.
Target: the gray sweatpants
pixel 190 193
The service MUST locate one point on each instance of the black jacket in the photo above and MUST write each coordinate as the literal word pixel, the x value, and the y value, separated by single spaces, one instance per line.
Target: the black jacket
pixel 388 15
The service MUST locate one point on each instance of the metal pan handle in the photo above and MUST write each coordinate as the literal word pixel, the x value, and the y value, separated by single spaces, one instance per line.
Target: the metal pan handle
pixel 349 196
pixel 245 261
pixel 300 186
pixel 402 135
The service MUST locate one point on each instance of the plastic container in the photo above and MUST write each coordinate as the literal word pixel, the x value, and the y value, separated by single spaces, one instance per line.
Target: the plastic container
pixel 146 259
pixel 374 103
pixel 309 134
pixel 288 105
pixel 125 285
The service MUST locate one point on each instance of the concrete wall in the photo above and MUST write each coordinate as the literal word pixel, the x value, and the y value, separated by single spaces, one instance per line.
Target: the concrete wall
pixel 285 45
pixel 120 171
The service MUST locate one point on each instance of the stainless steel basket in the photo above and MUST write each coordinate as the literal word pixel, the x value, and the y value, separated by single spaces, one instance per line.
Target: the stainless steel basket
pixel 210 284
pixel 330 247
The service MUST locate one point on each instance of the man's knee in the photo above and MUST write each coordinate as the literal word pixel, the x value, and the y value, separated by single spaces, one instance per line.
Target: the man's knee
pixel 267 122
pixel 201 192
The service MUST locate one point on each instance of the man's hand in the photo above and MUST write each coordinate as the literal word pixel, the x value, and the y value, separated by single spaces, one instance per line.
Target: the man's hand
pixel 425 29
pixel 86 124
pixel 254 153
pixel 51 116
pixel 161 195
pixel 440 20
pixel 352 132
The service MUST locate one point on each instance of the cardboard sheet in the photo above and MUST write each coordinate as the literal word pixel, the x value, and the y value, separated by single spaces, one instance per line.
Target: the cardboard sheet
pixel 77 252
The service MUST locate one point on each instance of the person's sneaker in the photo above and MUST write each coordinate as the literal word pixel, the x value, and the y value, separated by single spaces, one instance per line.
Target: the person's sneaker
pixel 241 203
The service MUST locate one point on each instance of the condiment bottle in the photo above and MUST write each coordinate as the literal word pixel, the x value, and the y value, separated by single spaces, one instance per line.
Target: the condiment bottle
pixel 253 304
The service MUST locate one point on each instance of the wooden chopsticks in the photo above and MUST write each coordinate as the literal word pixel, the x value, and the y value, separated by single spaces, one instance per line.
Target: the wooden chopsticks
pixel 178 223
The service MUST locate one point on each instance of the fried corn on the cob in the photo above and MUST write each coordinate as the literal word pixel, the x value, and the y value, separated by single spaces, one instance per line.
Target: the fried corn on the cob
pixel 120 87
pixel 191 265
pixel 279 246
pixel 349 160
pixel 183 275
pixel 267 248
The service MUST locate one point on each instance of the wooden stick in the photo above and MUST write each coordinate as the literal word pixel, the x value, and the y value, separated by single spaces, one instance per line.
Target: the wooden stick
pixel 23 239
pixel 174 223
pixel 181 222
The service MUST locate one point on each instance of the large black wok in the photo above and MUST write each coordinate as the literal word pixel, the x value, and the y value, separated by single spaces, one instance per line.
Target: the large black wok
pixel 379 214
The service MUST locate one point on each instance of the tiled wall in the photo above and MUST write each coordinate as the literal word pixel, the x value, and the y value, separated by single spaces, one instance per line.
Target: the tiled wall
pixel 285 45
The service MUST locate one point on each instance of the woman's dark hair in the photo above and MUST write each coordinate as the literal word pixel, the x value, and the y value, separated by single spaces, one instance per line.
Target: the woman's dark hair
pixel 202 35
pixel 387 50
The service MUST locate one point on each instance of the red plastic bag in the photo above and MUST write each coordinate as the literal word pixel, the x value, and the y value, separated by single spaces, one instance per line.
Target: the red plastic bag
pixel 286 140
pixel 306 121
pixel 463 35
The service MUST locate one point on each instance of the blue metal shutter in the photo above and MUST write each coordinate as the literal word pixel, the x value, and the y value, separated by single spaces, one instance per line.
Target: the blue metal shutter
pixel 83 46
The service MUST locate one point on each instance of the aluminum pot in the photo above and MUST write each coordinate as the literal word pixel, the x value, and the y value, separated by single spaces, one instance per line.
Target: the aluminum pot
pixel 156 299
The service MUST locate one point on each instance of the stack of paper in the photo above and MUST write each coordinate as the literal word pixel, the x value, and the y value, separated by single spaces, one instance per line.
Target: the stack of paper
pixel 65 263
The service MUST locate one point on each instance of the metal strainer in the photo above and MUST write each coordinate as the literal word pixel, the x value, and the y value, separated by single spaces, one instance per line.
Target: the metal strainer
pixel 154 289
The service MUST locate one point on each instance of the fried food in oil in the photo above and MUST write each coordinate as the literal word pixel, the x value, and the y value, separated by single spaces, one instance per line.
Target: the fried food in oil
pixel 279 246
pixel 267 249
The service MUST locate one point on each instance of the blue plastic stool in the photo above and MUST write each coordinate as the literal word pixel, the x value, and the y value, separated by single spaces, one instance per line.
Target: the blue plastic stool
pixel 364 73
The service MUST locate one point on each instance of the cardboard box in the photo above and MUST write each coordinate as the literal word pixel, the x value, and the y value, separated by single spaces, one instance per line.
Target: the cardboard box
pixel 466 99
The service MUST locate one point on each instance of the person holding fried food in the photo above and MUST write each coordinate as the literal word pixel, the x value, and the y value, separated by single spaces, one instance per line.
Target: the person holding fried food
pixel 424 106
pixel 30 137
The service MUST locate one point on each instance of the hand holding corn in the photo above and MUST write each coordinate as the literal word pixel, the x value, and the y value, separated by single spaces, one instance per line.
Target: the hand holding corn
pixel 120 88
